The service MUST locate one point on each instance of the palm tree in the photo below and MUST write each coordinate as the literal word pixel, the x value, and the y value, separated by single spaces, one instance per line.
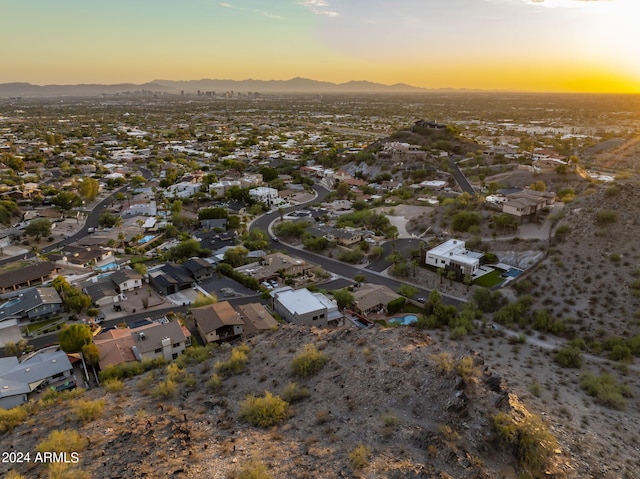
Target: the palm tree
pixel 441 272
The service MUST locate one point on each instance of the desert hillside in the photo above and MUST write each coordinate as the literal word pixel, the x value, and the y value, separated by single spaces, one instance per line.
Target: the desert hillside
pixel 379 403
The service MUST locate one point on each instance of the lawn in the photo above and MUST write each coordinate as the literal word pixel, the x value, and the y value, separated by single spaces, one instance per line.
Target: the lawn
pixel 33 327
pixel 413 309
pixel 489 280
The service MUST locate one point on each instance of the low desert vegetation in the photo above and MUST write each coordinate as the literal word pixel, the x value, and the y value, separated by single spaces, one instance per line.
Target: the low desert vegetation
pixel 12 418
pixel 114 385
pixel 236 363
pixel 87 411
pixel 359 457
pixel 444 362
pixel 254 469
pixel 308 362
pixel 292 393
pixel 606 390
pixel 534 445
pixel 264 411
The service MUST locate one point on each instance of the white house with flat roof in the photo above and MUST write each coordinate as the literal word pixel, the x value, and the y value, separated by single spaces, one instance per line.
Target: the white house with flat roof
pixel 266 195
pixel 301 306
pixel 452 255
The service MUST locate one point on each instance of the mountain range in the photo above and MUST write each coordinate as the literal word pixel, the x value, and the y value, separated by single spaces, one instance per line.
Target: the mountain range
pixel 294 85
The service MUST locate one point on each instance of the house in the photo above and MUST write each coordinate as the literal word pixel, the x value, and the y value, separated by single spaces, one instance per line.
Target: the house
pixel 126 280
pixel 212 224
pixel 280 266
pixel 266 195
pixel 86 257
pixel 103 291
pixel 527 204
pixel 163 340
pixel 256 318
pixel 170 279
pixel 217 190
pixel 372 298
pixel 23 277
pixel 19 379
pixel 199 268
pixel 453 256
pixel 32 304
pixel 301 306
pixel 390 185
pixel 218 322
pixel 184 189
pixel 115 346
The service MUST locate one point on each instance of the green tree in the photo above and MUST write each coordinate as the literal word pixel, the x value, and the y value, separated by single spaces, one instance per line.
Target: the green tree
pixel 77 301
pixel 344 298
pixel 88 188
pixel 74 337
pixel 91 354
pixel 108 220
pixel 236 256
pixel 407 290
pixel 66 200
pixel 39 227
pixel 16 349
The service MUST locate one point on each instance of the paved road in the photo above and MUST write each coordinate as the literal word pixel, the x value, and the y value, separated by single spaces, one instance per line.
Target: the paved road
pixel 460 178
pixel 344 270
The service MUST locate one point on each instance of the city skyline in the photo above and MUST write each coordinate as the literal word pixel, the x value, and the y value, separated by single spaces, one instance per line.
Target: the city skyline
pixel 516 45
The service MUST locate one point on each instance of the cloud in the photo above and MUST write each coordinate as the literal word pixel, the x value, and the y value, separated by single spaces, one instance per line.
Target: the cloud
pixel 251 10
pixel 319 7
pixel 564 3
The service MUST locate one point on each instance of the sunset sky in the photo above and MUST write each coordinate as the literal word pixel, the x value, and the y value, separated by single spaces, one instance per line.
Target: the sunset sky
pixel 525 45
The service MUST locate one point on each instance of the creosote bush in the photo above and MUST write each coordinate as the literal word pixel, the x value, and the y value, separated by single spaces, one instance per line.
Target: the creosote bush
pixel 215 382
pixel 254 469
pixel 359 457
pixel 86 411
pixel 11 418
pixel 531 439
pixel 443 362
pixel 606 390
pixel 264 411
pixel 114 385
pixel 65 440
pixel 165 389
pixel 308 362
pixel 292 393
pixel 466 368
pixel 236 363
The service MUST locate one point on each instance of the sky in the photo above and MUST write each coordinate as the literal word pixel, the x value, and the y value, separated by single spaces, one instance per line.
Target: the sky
pixel 514 45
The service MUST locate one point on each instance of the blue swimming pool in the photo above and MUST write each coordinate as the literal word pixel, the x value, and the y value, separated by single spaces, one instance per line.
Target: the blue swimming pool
pixel 404 320
pixel 146 239
pixel 512 273
pixel 107 267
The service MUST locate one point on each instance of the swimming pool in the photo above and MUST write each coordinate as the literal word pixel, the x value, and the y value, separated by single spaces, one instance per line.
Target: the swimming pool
pixel 107 267
pixel 404 320
pixel 146 239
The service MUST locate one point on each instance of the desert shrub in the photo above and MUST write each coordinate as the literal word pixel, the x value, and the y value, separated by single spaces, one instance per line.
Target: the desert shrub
pixel 65 440
pixel 165 389
pixel 214 383
pixel 11 418
pixel 466 369
pixel 264 411
pixel 359 457
pixel 562 231
pixel 52 397
pixel 292 393
pixel 86 411
pixel 535 388
pixel 531 439
pixel 129 370
pixel 14 475
pixel 443 361
pixel 351 256
pixel 389 419
pixel 113 385
pixel 236 363
pixel 194 355
pixel 463 220
pixel 254 469
pixel 569 358
pixel 308 362
pixel 396 305
pixel 606 390
pixel 448 433
pixel 606 217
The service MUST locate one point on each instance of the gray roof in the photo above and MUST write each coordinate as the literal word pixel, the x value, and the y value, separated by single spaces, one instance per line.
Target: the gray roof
pixel 30 373
pixel 123 275
pixel 28 300
pixel 151 338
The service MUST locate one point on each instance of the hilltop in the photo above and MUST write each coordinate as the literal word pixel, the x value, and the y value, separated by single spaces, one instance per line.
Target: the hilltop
pixel 418 409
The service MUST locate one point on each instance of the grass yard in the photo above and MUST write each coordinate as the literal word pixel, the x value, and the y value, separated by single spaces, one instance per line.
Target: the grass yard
pixel 489 280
